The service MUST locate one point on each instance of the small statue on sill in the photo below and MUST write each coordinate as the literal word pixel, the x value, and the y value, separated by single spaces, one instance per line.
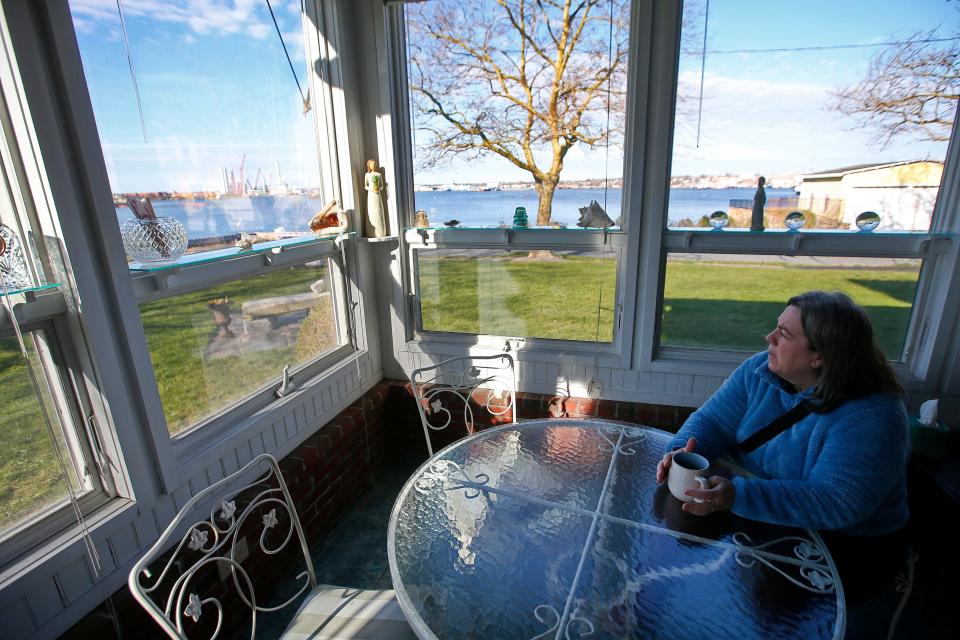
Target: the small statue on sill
pixel 759 200
pixel 376 214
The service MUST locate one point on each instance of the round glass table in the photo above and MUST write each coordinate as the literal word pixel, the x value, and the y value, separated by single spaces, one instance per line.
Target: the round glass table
pixel 558 529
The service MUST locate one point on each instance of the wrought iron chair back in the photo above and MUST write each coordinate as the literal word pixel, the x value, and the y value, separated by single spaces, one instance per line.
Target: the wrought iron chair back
pixel 213 541
pixel 486 381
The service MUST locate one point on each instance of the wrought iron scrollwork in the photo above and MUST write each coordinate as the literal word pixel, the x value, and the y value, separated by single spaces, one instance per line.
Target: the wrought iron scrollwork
pixel 611 435
pixel 215 539
pixel 449 476
pixel 816 574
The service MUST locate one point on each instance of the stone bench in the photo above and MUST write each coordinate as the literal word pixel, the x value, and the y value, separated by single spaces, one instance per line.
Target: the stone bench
pixel 270 308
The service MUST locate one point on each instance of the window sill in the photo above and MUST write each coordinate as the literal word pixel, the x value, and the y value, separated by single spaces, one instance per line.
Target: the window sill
pixel 211 267
pixel 515 237
pixel 604 354
pixel 812 242
pixel 68 540
pixel 33 305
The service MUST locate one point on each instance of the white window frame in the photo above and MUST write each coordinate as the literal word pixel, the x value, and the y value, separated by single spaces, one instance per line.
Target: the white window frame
pixel 927 333
pixel 620 243
pixel 174 456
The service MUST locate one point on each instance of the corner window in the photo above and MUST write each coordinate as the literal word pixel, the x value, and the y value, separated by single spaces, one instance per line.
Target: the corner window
pixel 208 132
pixel 517 113
pixel 839 121
pixel 806 159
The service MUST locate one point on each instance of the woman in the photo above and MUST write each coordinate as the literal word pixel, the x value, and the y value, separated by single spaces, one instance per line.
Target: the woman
pixel 836 458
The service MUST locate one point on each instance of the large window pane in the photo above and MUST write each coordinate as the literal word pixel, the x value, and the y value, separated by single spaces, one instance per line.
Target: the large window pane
pixel 215 346
pixel 197 107
pixel 30 475
pixel 840 115
pixel 518 294
pixel 732 301
pixel 517 104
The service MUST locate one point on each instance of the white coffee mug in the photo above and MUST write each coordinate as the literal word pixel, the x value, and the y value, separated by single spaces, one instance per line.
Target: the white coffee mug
pixel 686 472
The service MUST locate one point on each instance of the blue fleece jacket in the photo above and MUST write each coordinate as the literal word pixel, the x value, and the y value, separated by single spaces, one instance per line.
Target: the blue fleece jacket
pixel 844 470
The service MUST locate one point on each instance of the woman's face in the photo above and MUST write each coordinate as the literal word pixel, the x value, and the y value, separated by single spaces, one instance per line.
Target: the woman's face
pixel 790 355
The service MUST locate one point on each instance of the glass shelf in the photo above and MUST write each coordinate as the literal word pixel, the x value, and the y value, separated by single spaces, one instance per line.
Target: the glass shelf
pixel 497 228
pixel 787 232
pixel 43 287
pixel 260 248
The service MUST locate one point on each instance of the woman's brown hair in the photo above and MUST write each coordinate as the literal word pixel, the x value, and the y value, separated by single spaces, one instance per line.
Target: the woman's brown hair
pixel 841 332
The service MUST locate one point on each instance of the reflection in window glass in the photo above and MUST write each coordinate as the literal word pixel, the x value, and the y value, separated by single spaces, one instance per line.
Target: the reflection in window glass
pixel 210 122
pixel 213 347
pixel 30 476
pixel 506 113
pixel 498 293
pixel 840 117
pixel 732 301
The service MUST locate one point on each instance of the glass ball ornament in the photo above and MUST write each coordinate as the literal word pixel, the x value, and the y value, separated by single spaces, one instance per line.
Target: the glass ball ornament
pixel 794 220
pixel 868 221
pixel 719 219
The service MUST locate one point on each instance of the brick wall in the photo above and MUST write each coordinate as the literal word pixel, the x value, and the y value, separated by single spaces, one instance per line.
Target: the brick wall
pixel 407 431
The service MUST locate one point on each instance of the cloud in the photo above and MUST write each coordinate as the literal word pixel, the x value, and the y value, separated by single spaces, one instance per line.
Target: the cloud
pixel 201 17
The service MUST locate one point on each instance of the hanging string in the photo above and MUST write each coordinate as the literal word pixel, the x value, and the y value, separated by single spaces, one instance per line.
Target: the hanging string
pixel 85 534
pixel 133 72
pixel 592 389
pixel 703 69
pixel 306 99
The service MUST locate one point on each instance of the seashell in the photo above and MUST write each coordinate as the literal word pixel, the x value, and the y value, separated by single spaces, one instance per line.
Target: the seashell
pixel 246 240
pixel 593 215
pixel 326 218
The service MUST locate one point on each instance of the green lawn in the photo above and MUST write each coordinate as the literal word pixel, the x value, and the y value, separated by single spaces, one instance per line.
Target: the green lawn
pixel 29 475
pixel 715 304
pixel 178 330
pixel 518 297
pixel 733 305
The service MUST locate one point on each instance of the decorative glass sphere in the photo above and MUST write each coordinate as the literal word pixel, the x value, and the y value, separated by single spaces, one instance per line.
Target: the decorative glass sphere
pixel 156 241
pixel 794 220
pixel 868 221
pixel 719 219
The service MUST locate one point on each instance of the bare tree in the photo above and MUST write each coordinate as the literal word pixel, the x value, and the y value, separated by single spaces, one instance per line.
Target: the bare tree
pixel 525 80
pixel 911 89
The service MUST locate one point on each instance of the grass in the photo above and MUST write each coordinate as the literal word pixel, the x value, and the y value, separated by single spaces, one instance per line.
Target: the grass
pixel 706 303
pixel 732 305
pixel 30 477
pixel 518 297
pixel 179 329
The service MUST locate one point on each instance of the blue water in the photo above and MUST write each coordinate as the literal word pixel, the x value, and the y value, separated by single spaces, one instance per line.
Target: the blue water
pixel 213 218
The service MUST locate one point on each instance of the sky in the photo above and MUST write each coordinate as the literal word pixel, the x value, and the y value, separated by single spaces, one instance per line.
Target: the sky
pixel 215 88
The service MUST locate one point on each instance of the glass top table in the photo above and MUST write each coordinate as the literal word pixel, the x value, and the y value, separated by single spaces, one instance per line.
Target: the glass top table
pixel 557 529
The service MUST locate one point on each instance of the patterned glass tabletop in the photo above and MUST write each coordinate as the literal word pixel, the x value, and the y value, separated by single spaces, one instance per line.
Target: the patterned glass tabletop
pixel 558 529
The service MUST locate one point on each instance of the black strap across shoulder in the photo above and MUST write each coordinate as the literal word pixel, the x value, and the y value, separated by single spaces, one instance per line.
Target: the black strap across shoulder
pixel 778 426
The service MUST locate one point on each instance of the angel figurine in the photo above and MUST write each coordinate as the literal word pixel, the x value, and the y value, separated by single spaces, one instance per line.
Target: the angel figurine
pixel 376 215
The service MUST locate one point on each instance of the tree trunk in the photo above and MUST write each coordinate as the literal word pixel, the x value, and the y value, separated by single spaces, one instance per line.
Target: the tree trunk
pixel 546 189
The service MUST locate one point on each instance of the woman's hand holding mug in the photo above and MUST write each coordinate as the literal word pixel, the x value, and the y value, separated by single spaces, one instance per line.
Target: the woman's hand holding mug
pixel 663 467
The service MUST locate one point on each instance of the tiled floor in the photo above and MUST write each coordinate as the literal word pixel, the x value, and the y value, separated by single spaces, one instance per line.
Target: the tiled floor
pixel 355 552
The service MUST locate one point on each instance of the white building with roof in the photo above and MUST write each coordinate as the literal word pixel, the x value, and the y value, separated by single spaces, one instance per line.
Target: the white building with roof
pixel 903 193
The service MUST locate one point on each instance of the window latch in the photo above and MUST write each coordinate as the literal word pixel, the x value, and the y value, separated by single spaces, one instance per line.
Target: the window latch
pixel 286 386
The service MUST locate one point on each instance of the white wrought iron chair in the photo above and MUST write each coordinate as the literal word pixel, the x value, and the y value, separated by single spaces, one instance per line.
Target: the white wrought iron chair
pixel 173 598
pixel 488 381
